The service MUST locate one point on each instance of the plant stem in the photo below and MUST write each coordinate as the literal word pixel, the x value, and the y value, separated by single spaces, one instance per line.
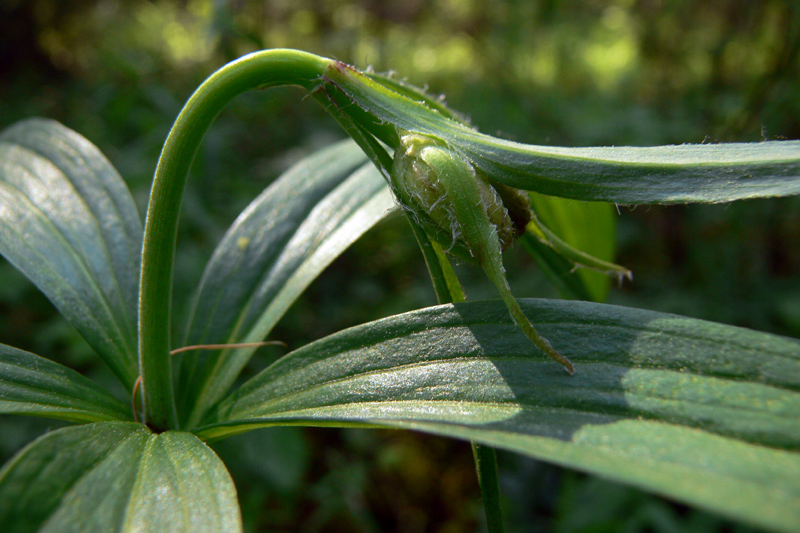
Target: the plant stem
pixel 486 466
pixel 260 70
pixel 449 290
pixel 444 280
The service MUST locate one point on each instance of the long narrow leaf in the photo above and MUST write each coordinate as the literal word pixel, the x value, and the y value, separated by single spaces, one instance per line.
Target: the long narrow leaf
pixel 682 407
pixel 276 248
pixel 626 175
pixel 117 476
pixel 68 222
pixel 36 386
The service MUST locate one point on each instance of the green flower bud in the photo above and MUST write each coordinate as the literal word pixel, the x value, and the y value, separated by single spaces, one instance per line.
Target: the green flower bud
pixel 458 207
pixel 419 190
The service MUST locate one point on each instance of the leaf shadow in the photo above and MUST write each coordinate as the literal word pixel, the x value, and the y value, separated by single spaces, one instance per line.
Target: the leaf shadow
pixel 637 365
pixel 546 400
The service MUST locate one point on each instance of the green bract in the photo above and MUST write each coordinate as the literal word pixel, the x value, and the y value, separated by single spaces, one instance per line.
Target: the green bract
pixel 441 190
pixel 698 173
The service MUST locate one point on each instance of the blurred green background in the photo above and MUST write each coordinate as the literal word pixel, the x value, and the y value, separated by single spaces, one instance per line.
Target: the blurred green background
pixel 577 73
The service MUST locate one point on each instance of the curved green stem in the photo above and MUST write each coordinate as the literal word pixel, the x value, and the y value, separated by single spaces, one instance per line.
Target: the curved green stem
pixel 260 70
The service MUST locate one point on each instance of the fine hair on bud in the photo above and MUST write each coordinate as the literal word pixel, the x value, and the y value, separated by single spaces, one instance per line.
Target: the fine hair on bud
pixel 418 189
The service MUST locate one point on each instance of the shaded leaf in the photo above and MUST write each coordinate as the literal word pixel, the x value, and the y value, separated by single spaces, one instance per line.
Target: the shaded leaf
pixel 701 412
pixel 273 251
pixel 68 222
pixel 117 476
pixel 627 175
pixel 36 386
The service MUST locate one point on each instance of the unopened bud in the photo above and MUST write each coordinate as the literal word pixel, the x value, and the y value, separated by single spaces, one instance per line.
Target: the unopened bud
pixel 458 207
pixel 420 191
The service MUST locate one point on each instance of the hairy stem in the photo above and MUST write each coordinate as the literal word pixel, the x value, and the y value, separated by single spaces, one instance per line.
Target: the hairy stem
pixel 260 70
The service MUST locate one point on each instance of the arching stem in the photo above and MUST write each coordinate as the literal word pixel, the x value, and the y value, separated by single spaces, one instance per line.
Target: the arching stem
pixel 260 70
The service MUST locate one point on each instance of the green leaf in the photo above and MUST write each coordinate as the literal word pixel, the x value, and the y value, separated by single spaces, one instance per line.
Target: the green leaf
pixel 627 175
pixel 36 386
pixel 69 223
pixel 276 248
pixel 587 226
pixel 117 476
pixel 701 412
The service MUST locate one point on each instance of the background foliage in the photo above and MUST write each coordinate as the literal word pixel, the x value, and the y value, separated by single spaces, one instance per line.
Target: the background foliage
pixel 552 72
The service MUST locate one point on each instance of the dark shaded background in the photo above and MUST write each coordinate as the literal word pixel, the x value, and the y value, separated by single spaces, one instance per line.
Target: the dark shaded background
pixel 581 73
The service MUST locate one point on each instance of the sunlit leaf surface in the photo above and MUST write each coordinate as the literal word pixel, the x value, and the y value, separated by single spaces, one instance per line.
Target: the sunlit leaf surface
pixel 274 250
pixel 68 222
pixel 698 411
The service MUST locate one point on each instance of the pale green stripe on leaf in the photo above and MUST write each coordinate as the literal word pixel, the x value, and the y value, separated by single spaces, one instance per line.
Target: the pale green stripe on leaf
pixel 117 477
pixel 68 222
pixel 274 250
pixel 35 386
pixel 655 398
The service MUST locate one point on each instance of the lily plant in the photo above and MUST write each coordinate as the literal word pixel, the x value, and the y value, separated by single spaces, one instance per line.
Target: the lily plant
pixel 704 413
